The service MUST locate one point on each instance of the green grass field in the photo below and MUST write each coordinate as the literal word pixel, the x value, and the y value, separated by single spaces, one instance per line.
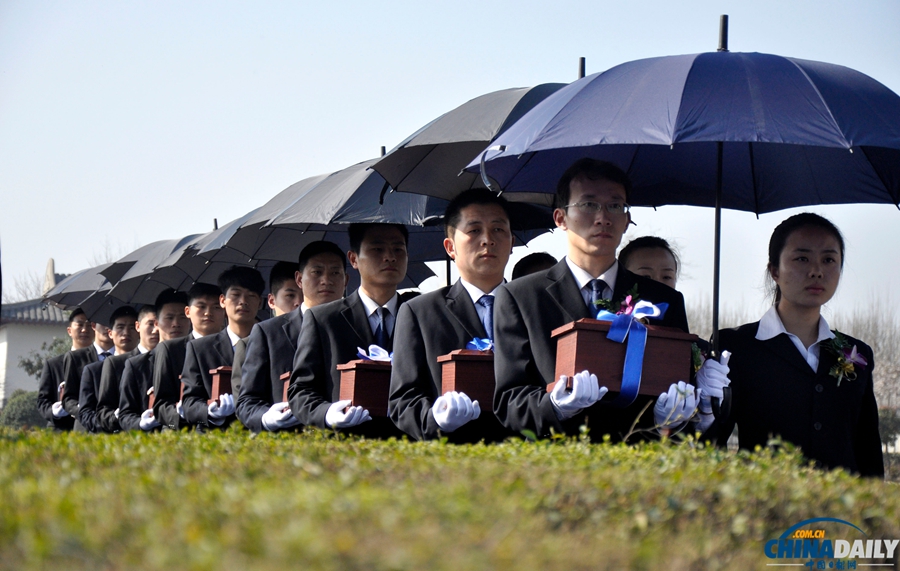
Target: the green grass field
pixel 314 501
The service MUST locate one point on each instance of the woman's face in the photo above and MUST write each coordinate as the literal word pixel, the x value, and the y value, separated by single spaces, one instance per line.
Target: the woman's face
pixel 809 267
pixel 658 264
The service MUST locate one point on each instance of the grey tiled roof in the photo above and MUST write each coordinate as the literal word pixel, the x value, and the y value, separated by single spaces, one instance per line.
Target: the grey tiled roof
pixel 33 311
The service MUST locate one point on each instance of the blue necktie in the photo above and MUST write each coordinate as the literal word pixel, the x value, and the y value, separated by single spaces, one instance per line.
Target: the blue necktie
pixel 104 355
pixel 487 319
pixel 381 332
pixel 597 287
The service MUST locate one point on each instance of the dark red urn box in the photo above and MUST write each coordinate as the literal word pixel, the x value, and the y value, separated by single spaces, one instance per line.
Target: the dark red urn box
pixel 582 345
pixel 472 372
pixel 221 383
pixel 286 381
pixel 366 384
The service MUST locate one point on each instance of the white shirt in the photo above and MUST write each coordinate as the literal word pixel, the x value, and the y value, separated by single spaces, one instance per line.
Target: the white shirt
pixel 233 337
pixel 142 349
pixel 100 350
pixel 303 308
pixel 771 326
pixel 583 279
pixel 372 307
pixel 475 293
pixel 196 335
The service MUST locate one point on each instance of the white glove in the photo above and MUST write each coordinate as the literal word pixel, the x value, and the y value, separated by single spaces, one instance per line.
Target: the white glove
pixel 58 410
pixel 116 413
pixel 179 409
pixel 337 418
pixel 453 409
pixel 586 391
pixel 711 379
pixel 675 408
pixel 147 420
pixel 219 410
pixel 279 416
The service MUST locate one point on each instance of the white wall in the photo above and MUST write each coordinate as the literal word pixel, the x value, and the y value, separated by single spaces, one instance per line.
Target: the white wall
pixel 17 340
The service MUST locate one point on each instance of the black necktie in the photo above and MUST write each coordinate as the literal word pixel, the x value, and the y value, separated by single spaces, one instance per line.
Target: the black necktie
pixel 597 287
pixel 381 332
pixel 487 319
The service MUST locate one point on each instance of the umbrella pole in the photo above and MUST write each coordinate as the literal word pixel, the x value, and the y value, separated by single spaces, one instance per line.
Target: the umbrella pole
pixel 448 269
pixel 717 251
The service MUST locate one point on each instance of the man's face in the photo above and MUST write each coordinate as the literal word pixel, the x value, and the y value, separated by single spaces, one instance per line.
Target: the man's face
pixel 286 299
pixel 81 332
pixel 102 334
pixel 481 243
pixel 147 330
pixel 595 234
pixel 382 257
pixel 172 321
pixel 124 334
pixel 241 305
pixel 206 315
pixel 323 279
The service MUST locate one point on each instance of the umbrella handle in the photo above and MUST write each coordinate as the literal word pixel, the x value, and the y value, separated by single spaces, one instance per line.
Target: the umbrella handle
pixel 722 407
pixel 484 176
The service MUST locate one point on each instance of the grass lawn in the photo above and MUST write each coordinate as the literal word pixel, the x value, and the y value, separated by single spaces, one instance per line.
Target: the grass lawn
pixel 315 501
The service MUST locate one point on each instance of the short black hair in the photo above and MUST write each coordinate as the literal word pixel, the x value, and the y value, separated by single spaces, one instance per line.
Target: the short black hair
pixel 242 276
pixel 282 274
pixel 170 296
pixel 320 247
pixel 647 242
pixel 591 169
pixel 145 309
pixel 533 263
pixel 453 213
pixel 75 313
pixel 358 231
pixel 122 311
pixel 199 290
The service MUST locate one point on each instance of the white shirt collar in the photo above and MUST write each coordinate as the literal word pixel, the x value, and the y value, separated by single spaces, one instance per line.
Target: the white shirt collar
pixel 582 277
pixel 233 336
pixel 475 292
pixel 142 349
pixel 195 334
pixel 371 306
pixel 303 308
pixel 101 350
pixel 770 325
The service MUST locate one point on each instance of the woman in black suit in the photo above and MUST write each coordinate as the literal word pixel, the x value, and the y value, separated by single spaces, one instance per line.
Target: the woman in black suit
pixel 792 377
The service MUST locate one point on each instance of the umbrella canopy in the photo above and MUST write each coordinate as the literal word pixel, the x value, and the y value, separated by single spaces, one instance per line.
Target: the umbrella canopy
pixel 430 160
pixel 792 132
pixel 74 289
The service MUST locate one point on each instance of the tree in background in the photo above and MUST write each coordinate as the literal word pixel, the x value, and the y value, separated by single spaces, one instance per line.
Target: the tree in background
pixel 21 411
pixel 33 363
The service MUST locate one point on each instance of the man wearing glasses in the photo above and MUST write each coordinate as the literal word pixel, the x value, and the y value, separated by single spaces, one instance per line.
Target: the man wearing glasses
pixel 592 209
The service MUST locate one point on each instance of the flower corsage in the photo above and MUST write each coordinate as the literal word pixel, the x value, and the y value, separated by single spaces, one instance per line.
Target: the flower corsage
pixel 847 358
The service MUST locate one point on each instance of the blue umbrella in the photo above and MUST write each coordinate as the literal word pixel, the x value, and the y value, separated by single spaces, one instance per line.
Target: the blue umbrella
pixel 746 131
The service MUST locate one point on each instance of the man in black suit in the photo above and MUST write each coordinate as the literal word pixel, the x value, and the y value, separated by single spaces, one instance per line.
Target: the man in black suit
pixel 74 363
pixel 331 333
pixel 124 334
pixel 207 318
pixel 480 241
pixel 82 335
pixel 592 208
pixel 320 278
pixel 241 297
pixel 137 377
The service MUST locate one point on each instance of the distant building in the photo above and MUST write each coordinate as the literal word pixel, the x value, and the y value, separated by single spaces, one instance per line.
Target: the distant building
pixel 24 327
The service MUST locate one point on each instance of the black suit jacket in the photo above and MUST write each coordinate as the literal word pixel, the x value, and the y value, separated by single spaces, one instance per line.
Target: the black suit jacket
pixel 526 311
pixel 270 353
pixel 108 391
pixel 167 367
pixel 137 379
pixel 87 399
pixel 202 355
pixel 428 327
pixel 775 392
pixel 48 392
pixel 74 363
pixel 329 337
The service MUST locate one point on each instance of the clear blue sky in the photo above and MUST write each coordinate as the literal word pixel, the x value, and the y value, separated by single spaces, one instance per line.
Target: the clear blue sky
pixel 129 122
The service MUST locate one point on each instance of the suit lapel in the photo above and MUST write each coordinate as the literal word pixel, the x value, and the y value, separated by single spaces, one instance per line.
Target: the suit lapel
pixel 564 292
pixel 460 306
pixel 782 346
pixel 354 313
pixel 224 348
pixel 625 280
pixel 292 325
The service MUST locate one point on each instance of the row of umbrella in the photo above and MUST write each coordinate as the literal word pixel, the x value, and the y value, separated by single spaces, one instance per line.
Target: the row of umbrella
pixel 747 131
